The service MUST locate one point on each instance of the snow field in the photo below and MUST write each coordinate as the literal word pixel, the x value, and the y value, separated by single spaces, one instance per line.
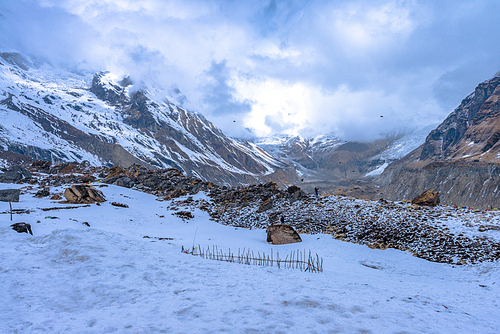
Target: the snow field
pixel 69 278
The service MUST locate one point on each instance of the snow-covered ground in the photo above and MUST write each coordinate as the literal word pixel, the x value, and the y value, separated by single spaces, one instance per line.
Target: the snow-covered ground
pixel 108 278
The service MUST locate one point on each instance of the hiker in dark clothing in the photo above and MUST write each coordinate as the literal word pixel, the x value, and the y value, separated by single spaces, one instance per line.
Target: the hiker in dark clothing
pixel 316 191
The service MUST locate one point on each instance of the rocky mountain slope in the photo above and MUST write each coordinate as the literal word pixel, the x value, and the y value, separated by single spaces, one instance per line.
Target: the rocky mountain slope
pixel 60 116
pixel 460 158
pixel 337 166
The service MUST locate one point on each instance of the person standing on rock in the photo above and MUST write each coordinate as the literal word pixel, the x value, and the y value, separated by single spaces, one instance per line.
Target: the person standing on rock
pixel 316 190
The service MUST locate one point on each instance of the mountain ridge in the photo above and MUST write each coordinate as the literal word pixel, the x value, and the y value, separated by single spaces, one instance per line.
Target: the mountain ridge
pixel 460 158
pixel 72 117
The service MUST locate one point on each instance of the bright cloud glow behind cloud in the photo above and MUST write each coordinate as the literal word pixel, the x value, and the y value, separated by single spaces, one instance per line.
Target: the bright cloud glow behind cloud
pixel 274 66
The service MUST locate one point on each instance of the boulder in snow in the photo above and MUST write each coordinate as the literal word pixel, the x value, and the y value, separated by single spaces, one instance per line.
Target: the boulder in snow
pixel 124 182
pixel 427 198
pixel 280 234
pixel 22 228
pixel 9 195
pixel 294 193
pixel 44 192
pixel 83 194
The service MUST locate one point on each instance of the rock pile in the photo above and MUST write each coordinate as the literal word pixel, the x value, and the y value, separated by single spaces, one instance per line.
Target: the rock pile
pixel 377 224
pixel 120 205
pixel 77 194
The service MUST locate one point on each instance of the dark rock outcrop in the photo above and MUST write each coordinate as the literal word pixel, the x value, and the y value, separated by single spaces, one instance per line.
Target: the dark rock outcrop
pixel 44 192
pixel 14 174
pixel 294 193
pixel 9 195
pixel 120 205
pixel 22 228
pixel 266 205
pixel 459 159
pixel 124 182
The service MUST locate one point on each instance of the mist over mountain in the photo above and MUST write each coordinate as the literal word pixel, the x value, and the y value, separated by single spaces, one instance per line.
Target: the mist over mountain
pixel 47 114
pixel 106 119
pixel 264 68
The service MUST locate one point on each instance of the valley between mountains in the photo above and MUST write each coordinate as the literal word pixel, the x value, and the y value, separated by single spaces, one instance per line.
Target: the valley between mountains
pixel 169 180
pixel 63 116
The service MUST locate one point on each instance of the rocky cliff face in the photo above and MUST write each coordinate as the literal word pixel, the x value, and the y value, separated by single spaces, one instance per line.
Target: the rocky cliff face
pixel 460 158
pixel 61 117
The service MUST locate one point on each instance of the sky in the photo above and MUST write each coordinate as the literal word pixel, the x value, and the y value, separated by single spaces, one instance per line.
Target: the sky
pixel 261 68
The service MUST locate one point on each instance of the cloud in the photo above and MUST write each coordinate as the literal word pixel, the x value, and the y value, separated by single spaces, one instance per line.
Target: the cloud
pixel 220 95
pixel 49 33
pixel 221 103
pixel 300 67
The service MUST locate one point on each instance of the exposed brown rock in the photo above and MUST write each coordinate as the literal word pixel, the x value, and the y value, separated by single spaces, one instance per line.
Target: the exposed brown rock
pixel 175 193
pixel 121 205
pixel 70 196
pixel 266 205
pixel 44 192
pixel 294 193
pixel 42 164
pixel 282 234
pixel 184 214
pixel 83 194
pixel 427 198
pixel 115 171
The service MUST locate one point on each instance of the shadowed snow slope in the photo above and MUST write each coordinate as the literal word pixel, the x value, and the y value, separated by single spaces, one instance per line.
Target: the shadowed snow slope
pixel 70 278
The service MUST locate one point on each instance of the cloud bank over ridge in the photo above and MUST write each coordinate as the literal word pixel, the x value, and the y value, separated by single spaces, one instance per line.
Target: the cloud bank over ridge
pixel 267 67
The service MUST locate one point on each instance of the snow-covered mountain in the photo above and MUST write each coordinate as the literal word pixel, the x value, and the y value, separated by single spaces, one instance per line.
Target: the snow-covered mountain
pixel 327 157
pixel 58 115
pixel 460 158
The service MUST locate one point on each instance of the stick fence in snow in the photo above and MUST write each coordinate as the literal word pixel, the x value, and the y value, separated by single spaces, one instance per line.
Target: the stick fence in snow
pixel 295 260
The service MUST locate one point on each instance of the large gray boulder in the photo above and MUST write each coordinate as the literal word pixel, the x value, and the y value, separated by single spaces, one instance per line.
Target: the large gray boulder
pixel 125 182
pixel 9 195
